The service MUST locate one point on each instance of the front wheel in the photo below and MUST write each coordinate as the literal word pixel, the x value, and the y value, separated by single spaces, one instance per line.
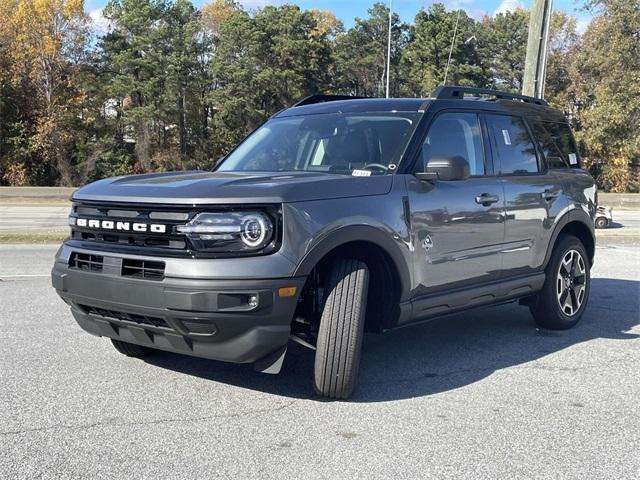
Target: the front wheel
pixel 563 298
pixel 341 329
pixel 130 349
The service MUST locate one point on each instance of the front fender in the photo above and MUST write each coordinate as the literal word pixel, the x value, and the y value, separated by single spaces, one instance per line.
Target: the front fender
pixel 383 238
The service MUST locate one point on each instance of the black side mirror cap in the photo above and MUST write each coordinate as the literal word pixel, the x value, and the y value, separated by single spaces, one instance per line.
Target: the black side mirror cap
pixel 446 169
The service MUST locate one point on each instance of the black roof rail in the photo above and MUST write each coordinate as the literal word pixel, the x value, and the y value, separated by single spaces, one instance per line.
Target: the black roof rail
pixel 455 92
pixel 324 98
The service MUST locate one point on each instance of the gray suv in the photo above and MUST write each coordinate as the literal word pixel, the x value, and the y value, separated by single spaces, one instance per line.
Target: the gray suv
pixel 338 216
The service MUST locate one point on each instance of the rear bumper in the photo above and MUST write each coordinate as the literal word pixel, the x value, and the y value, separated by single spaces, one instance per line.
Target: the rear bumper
pixel 203 318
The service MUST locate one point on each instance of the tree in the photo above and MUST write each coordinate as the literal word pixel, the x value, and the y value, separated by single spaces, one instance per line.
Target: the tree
pixel 216 12
pixel 45 44
pixel 606 92
pixel 502 45
pixel 361 54
pixel 264 63
pixel 563 40
pixel 430 42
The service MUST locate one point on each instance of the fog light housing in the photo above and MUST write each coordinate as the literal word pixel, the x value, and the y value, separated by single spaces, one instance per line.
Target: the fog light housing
pixel 252 301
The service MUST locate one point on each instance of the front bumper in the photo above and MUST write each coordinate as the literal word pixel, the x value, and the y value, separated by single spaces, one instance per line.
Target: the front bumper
pixel 200 317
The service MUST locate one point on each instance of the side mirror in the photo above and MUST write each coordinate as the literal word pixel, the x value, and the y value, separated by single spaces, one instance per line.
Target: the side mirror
pixel 445 168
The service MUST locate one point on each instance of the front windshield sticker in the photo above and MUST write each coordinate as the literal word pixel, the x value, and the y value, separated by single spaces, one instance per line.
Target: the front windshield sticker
pixel 507 138
pixel 573 159
pixel 361 173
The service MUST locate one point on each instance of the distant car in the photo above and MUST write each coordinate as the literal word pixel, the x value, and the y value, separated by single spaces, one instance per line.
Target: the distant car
pixel 604 218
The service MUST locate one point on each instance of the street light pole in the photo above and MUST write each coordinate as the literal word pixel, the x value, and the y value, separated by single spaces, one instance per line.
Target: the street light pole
pixel 389 47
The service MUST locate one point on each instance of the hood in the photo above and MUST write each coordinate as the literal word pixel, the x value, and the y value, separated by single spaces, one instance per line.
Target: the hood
pixel 201 188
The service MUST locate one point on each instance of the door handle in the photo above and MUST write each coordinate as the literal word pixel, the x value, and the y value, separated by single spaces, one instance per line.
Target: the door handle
pixel 549 194
pixel 487 199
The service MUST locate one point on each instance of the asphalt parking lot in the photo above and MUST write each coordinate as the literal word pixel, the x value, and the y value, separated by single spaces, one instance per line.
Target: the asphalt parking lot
pixel 479 395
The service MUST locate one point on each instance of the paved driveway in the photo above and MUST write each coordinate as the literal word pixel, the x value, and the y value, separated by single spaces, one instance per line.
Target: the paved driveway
pixel 479 395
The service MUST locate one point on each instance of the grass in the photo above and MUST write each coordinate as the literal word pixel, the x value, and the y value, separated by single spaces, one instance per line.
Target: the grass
pixel 33 237
pixel 34 201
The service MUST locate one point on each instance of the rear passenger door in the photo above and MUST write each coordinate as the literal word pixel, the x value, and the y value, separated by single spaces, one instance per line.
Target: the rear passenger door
pixel 530 190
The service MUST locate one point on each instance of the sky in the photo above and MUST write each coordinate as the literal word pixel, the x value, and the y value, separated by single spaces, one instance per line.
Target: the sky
pixel 347 10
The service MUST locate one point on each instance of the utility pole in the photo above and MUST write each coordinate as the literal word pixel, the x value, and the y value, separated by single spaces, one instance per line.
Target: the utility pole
pixel 535 65
pixel 389 47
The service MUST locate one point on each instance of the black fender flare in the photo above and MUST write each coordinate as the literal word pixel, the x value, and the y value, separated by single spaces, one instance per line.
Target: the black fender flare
pixel 573 215
pixel 358 233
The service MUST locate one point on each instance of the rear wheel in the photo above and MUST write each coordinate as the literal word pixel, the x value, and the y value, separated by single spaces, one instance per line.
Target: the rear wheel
pixel 130 349
pixel 341 329
pixel 563 298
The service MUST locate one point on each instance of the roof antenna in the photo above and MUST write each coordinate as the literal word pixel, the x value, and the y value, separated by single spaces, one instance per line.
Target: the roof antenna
pixel 453 40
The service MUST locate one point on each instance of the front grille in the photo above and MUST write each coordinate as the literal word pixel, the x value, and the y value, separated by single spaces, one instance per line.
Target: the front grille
pixel 146 269
pixel 85 261
pixel 169 242
pixel 125 317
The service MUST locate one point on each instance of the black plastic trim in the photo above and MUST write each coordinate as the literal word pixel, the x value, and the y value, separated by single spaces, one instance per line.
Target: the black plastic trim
pixel 435 305
pixel 453 92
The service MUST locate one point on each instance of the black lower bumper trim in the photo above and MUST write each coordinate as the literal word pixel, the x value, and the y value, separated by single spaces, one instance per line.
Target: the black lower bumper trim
pixel 204 318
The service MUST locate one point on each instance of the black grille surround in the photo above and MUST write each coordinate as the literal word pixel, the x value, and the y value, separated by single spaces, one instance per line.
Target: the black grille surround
pixel 168 244
pixel 86 261
pixel 144 320
pixel 145 269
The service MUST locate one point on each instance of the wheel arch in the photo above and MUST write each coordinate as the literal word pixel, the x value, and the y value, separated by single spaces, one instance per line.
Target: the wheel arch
pixel 579 224
pixel 389 272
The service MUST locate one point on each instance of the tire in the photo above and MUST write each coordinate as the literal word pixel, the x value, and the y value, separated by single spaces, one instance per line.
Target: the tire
pixel 341 329
pixel 568 280
pixel 602 222
pixel 130 349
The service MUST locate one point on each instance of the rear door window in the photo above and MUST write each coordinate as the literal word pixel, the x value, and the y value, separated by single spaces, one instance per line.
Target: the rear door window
pixel 514 149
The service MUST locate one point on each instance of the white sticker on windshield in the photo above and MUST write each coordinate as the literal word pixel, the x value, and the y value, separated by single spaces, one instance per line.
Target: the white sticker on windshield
pixel 573 159
pixel 361 173
pixel 507 138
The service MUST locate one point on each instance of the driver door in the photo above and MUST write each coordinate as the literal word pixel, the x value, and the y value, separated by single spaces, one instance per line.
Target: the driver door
pixel 457 226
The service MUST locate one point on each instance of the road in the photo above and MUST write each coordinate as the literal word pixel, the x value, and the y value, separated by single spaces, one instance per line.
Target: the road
pixel 479 395
pixel 21 218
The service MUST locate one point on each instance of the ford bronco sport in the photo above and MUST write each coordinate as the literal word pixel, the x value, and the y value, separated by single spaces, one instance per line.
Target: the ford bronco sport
pixel 337 216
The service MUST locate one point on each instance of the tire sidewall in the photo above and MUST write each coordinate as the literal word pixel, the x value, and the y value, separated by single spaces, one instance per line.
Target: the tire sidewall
pixel 566 244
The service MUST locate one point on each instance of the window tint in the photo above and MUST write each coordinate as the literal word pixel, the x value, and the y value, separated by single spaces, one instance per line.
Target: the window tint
pixel 557 144
pixel 515 152
pixel 566 143
pixel 337 143
pixel 455 134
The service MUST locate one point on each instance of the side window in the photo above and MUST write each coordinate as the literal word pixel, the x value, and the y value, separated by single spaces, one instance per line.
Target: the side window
pixel 548 144
pixel 566 143
pixel 557 144
pixel 455 134
pixel 514 149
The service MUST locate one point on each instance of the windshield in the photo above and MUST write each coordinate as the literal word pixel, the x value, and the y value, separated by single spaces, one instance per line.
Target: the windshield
pixel 339 143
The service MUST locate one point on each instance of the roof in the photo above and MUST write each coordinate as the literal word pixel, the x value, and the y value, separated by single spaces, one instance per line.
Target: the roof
pixel 356 105
pixel 443 97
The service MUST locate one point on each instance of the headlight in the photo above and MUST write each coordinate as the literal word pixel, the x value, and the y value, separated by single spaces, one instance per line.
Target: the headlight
pixel 229 232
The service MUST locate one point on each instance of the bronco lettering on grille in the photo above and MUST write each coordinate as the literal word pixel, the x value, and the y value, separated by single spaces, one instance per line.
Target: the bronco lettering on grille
pixel 121 226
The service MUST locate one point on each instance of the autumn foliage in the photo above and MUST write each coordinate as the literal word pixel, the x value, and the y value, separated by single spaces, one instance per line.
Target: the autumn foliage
pixel 169 86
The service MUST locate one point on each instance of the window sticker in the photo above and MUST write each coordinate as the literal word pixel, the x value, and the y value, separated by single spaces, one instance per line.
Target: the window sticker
pixel 573 159
pixel 507 138
pixel 361 173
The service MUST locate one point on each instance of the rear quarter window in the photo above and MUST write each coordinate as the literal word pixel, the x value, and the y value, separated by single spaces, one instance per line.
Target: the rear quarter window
pixel 557 144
